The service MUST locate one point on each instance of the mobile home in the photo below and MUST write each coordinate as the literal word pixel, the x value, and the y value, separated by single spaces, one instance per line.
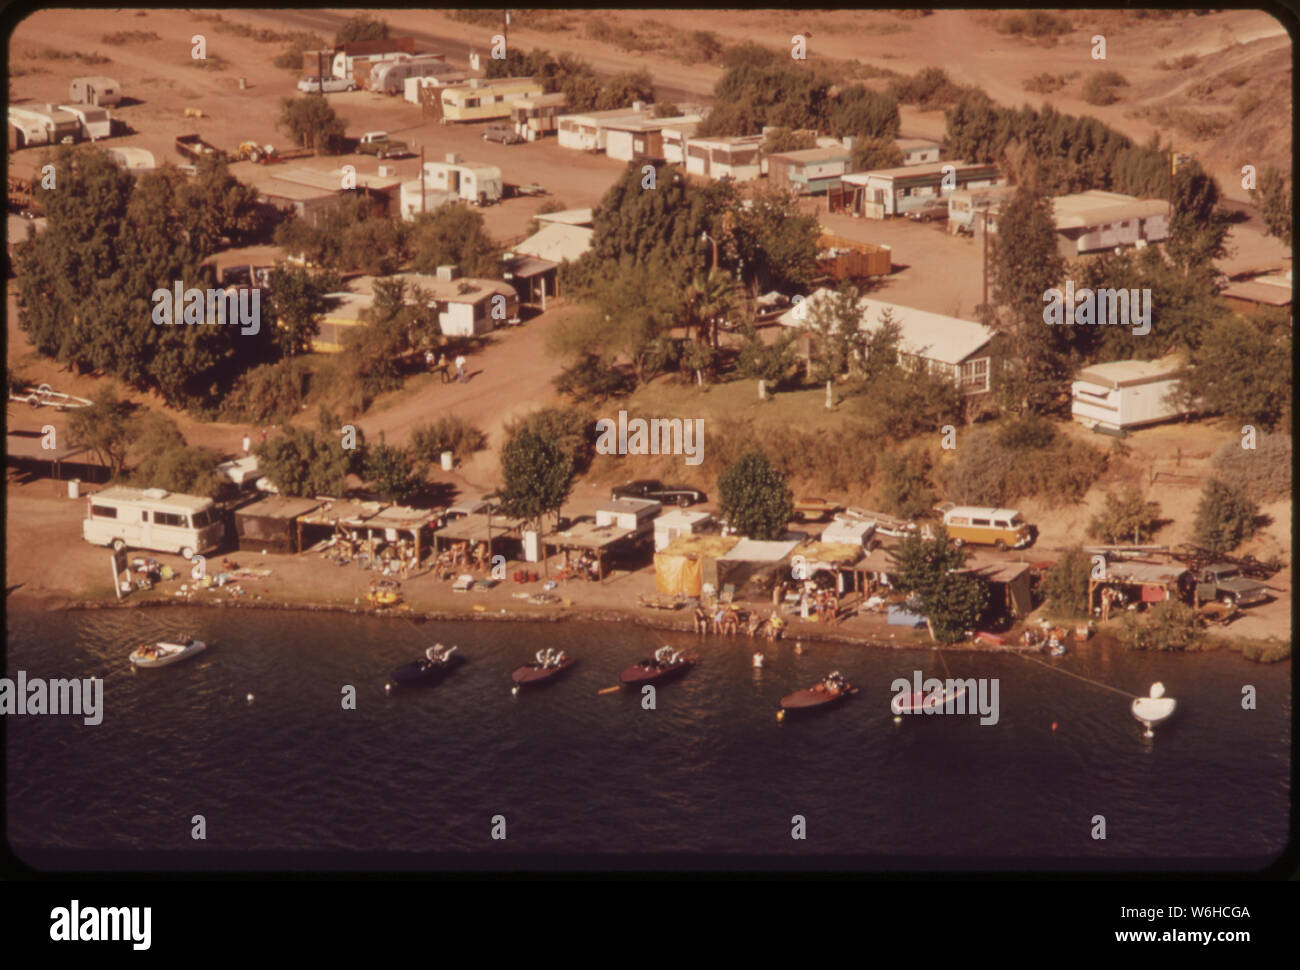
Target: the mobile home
pixel 1126 393
pixel 152 518
pixel 347 55
pixel 483 99
pixel 632 139
pixel 808 172
pixel 423 89
pixel 1089 221
pixel 896 191
pixel 103 92
pixel 58 126
pixel 586 132
pixel 675 139
pixel 735 157
pixel 471 182
pixel 918 151
pixel 390 77
pixel 536 117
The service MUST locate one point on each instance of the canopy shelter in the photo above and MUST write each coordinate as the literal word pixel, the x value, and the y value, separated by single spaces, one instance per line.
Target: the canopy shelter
pixel 1011 580
pixel 272 524
pixel 474 528
pixel 585 535
pixel 831 557
pixel 689 561
pixel 872 569
pixel 395 520
pixel 754 560
pixel 1151 582
pixel 25 448
pixel 339 516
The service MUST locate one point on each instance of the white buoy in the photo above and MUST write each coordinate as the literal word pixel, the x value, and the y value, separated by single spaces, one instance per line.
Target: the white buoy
pixel 1154 708
pixel 388 688
pixel 514 691
pixel 249 698
pixel 758 660
pixel 898 719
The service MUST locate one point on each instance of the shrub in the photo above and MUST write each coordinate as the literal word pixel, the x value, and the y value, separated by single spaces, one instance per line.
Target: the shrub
pixel 572 428
pixel 755 498
pixel 271 392
pixel 129 37
pixel 1066 584
pixel 1125 518
pixel 1170 625
pixel 1225 517
pixel 1044 83
pixel 394 473
pixel 1099 88
pixel 988 473
pixel 447 433
pixel 1033 23
pixel 1263 473
pixel 905 489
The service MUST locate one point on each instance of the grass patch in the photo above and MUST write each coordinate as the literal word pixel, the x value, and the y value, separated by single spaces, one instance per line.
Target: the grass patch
pixel 130 37
pixel 50 54
pixel 261 35
pixel 1186 121
pixel 1033 23
pixel 1044 83
pixel 213 62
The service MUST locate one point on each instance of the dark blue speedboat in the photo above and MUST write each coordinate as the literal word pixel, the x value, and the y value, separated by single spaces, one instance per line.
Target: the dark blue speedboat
pixel 439 661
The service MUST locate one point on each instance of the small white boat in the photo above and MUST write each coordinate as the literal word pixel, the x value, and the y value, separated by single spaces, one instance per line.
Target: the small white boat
pixel 162 653
pixel 919 702
pixel 1154 708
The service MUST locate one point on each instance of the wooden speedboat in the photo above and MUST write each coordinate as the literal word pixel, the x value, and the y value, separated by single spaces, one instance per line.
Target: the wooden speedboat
pixel 439 661
pixel 165 652
pixel 547 665
pixel 832 689
pixel 925 702
pixel 1154 708
pixel 666 664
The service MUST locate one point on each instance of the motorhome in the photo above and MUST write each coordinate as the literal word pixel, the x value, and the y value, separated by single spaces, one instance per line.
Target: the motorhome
pixel 1003 528
pixel 152 518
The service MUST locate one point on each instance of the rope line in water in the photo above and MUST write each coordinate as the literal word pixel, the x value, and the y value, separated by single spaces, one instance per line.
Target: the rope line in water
pixel 1068 673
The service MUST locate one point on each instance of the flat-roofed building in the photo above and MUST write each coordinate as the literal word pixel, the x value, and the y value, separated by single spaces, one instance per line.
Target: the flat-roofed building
pixel 808 172
pixel 536 117
pixel 632 139
pixel 734 157
pixel 896 191
pixel 1089 221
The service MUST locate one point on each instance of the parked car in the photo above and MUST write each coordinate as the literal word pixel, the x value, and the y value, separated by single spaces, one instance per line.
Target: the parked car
pixel 929 212
pixel 814 509
pixel 650 488
pixel 329 85
pixel 381 145
pixel 1001 528
pixel 1225 583
pixel 503 134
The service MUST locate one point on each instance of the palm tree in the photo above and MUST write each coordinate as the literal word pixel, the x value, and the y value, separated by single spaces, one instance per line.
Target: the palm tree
pixel 712 298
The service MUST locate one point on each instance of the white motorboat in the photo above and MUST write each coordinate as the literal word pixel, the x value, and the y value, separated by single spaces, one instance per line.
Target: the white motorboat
pixel 163 652
pixel 1154 708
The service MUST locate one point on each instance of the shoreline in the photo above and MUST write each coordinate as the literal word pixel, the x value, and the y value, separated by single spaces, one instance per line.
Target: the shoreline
pixel 51 601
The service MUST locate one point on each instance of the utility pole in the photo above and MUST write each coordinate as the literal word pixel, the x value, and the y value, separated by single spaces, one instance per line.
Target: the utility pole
pixel 984 217
pixel 320 76
pixel 422 178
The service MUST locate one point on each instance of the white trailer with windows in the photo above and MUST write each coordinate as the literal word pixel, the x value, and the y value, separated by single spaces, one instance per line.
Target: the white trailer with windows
pixel 152 518
pixel 1127 393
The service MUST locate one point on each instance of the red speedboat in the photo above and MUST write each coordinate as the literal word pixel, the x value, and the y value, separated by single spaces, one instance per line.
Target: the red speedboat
pixel 833 689
pixel 667 664
pixel 547 665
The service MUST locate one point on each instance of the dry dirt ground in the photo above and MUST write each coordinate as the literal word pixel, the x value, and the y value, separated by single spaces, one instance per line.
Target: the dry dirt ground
pixel 933 270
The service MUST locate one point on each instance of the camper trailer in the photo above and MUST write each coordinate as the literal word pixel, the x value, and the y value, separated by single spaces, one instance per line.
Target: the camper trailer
pixel 152 518
pixel 95 122
pixel 103 92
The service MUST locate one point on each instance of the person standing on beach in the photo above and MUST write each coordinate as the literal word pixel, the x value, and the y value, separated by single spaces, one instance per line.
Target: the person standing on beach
pixel 460 368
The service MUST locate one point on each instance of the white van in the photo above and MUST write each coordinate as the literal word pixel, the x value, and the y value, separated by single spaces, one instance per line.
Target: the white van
pixel 152 518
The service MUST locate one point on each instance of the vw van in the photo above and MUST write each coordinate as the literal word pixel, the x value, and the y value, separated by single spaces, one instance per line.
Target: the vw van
pixel 154 519
pixel 1002 528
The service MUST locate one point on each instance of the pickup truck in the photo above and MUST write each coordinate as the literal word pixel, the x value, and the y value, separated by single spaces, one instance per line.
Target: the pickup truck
pixel 1225 583
pixel 379 144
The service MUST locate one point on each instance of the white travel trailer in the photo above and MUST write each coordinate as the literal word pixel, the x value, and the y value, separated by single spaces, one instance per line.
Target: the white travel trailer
pixel 95 122
pixel 1127 393
pixel 152 518
pixel 95 89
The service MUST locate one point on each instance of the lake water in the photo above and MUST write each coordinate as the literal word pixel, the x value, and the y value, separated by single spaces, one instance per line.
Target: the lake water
pixel 412 780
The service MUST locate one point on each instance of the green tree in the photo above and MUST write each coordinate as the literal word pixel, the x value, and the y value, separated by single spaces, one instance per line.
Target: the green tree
pixel 773 240
pixel 572 428
pixel 834 326
pixel 755 498
pixel 305 463
pixel 951 600
pixel 447 433
pixel 1225 517
pixel 1273 199
pixel 1066 584
pixel 106 428
pixel 394 473
pixel 863 113
pixel 1025 264
pixel 788 140
pixel 453 235
pixel 870 154
pixel 167 462
pixel 711 299
pixel 1243 373
pixel 296 303
pixel 312 123
pixel 1127 517
pixel 537 474
pixel 1198 231
pixel 904 485
pixel 215 206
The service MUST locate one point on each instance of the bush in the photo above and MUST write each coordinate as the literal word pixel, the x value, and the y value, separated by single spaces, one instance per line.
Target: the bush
pixel 1044 83
pixel 1170 625
pixel 1099 88
pixel 1263 473
pixel 1225 517
pixel 572 428
pixel 1066 584
pixel 269 393
pixel 394 473
pixel 755 498
pixel 988 473
pixel 1033 23
pixel 904 487
pixel 447 433
pixel 1125 518
pixel 898 404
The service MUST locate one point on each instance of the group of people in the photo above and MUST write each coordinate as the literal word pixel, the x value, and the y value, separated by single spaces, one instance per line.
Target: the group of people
pixel 583 565
pixel 459 556
pixel 727 621
pixel 438 362
pixel 823 602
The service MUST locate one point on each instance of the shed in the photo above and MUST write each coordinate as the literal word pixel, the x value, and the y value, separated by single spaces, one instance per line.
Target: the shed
pixel 1127 393
pixel 557 242
pixel 1010 582
pixel 678 522
pixel 598 538
pixel 334 515
pixel 272 524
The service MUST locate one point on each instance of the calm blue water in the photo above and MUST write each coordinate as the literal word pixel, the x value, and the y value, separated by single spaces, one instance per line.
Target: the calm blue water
pixel 578 775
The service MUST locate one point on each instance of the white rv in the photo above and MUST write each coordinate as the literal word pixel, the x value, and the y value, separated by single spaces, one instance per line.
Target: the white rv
pixel 1127 393
pixel 152 518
